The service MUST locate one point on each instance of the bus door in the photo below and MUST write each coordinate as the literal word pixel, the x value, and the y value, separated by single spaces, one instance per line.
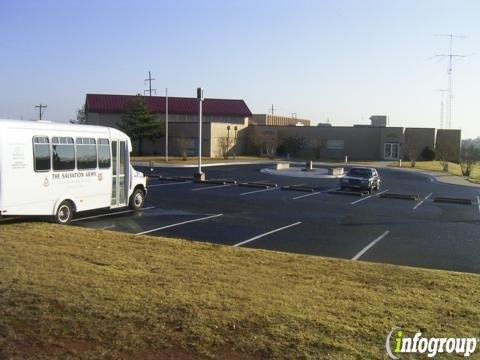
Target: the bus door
pixel 119 173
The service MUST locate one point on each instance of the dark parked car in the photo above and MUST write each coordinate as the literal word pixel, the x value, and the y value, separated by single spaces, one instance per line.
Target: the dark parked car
pixel 361 178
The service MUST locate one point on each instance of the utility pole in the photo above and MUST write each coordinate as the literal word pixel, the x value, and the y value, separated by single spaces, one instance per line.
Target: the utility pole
pixel 40 110
pixel 272 109
pixel 166 124
pixel 149 80
pixel 450 57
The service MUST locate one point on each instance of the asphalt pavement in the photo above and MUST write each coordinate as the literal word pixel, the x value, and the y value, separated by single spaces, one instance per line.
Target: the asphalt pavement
pixel 421 233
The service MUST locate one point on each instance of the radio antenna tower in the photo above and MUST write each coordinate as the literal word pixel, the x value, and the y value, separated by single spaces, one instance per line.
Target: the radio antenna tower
pixel 450 57
pixel 149 80
pixel 442 107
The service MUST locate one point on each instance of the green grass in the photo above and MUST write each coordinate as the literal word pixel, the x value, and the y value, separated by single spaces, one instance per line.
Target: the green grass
pixel 82 293
pixel 453 168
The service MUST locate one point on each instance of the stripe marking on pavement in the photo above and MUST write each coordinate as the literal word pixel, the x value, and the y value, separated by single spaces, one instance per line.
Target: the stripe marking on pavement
pixel 366 248
pixel 306 195
pixel 267 233
pixel 178 224
pixel 212 187
pixel 368 197
pixel 421 202
pixel 257 191
pixel 170 184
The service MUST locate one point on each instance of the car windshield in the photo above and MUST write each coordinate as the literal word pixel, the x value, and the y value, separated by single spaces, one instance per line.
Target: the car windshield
pixel 363 173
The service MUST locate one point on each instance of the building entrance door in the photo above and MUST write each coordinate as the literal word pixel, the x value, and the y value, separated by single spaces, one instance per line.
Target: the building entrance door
pixel 391 151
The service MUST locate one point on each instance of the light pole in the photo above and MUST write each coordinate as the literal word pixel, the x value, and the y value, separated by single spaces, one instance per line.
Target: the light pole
pixel 235 128
pixel 199 175
pixel 228 139
pixel 166 124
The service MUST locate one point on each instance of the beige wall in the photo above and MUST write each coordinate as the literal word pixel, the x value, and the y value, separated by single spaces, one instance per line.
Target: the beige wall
pixel 220 136
pixel 358 143
pixel 417 139
pixel 448 144
pixel 276 120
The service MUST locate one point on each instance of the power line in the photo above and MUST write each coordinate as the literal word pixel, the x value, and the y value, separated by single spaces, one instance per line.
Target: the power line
pixel 40 110
pixel 149 80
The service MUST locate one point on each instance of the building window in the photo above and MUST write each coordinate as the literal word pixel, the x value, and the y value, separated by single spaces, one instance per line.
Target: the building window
pixel 335 144
pixel 41 153
pixel 63 153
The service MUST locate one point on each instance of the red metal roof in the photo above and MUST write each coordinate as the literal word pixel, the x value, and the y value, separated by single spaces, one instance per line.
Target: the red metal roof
pixel 102 103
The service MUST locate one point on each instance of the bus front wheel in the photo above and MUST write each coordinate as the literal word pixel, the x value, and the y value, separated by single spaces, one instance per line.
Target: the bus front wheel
pixel 137 199
pixel 64 213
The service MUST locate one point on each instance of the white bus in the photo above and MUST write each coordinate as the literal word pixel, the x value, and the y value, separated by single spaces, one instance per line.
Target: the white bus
pixel 58 169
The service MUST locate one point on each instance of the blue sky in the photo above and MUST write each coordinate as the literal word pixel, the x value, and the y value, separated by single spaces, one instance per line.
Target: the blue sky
pixel 336 60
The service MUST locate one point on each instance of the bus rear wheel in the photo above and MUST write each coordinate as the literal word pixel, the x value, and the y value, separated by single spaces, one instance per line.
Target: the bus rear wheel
pixel 64 213
pixel 137 200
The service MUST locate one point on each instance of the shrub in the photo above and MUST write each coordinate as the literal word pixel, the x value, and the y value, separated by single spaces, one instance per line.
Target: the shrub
pixel 428 154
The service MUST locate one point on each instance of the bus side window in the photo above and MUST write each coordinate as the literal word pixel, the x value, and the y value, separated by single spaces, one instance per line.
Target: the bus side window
pixel 41 153
pixel 63 153
pixel 103 154
pixel 86 151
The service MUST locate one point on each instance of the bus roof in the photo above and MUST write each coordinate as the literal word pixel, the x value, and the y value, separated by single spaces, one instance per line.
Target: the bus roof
pixel 55 126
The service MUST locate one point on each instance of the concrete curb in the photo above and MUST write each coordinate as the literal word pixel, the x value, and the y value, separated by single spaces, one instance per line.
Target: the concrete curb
pixel 452 200
pixel 157 165
pixel 390 195
pixel 298 188
pixel 343 192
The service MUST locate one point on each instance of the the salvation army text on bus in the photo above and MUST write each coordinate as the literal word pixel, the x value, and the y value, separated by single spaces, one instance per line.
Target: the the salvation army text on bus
pixel 58 169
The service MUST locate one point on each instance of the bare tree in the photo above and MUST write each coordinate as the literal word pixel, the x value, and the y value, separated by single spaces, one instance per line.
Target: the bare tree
pixel 469 156
pixel 271 147
pixel 443 157
pixel 224 145
pixel 183 144
pixel 81 116
pixel 411 152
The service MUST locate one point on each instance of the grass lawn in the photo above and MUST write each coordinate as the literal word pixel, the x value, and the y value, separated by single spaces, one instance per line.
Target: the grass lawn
pixel 453 168
pixel 75 292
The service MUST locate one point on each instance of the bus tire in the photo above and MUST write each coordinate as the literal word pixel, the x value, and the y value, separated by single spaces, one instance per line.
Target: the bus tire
pixel 64 213
pixel 137 199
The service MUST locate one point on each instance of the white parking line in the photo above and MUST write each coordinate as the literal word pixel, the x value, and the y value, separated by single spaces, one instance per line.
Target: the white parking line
pixel 421 202
pixel 112 213
pixel 368 197
pixel 169 184
pixel 365 249
pixel 178 224
pixel 257 191
pixel 267 233
pixel 212 187
pixel 306 195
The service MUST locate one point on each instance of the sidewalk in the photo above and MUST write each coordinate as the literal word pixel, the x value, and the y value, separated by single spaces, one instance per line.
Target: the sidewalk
pixel 434 175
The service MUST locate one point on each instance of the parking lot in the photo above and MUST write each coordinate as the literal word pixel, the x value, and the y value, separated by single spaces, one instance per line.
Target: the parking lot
pixel 418 232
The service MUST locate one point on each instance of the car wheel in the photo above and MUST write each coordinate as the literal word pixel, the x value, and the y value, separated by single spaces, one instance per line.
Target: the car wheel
pixel 137 200
pixel 64 213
